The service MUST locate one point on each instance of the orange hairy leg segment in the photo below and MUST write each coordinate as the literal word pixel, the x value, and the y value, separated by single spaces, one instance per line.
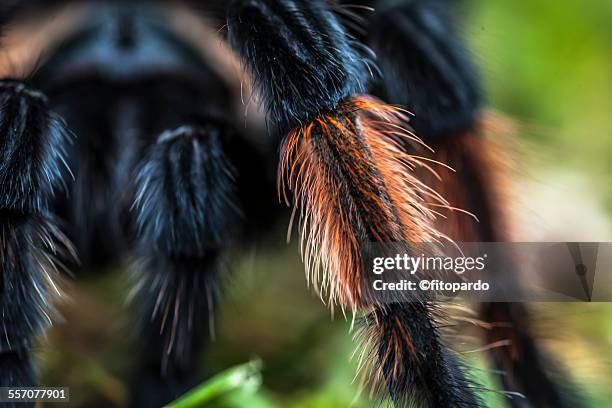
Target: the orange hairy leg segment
pixel 354 184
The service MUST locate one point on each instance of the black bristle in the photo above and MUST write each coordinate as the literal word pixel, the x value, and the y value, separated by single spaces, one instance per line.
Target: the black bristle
pixel 175 299
pixel 30 246
pixel 187 213
pixel 299 57
pixel 32 149
pixel 425 66
pixel 186 193
pixel 32 166
pixel 417 368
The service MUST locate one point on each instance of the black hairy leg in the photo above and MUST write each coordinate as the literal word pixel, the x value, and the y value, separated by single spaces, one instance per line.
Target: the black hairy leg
pixel 424 65
pixel 191 206
pixel 32 167
pixel 350 182
pixel 187 212
pixel 299 56
pixel 183 212
pixel 426 68
pixel 529 375
pixel 419 370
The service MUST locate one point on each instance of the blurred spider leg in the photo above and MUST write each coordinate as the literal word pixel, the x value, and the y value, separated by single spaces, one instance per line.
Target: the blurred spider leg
pixel 352 184
pixel 426 68
pixel 186 212
pixel 32 167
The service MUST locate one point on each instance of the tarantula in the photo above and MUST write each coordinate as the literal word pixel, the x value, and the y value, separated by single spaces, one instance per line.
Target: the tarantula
pixel 136 125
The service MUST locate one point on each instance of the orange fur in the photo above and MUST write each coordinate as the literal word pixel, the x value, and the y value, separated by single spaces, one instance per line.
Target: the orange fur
pixel 352 181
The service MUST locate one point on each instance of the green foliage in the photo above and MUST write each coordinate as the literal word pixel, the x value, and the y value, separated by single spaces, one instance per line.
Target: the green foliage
pixel 235 386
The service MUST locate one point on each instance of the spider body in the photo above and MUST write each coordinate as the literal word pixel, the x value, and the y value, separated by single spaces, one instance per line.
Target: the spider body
pixel 139 132
pixel 113 68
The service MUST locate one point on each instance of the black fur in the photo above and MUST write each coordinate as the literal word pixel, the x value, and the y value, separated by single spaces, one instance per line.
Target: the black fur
pixel 424 65
pixel 31 167
pixel 299 57
pixel 187 214
pixel 186 193
pixel 32 149
pixel 176 296
pixel 175 302
pixel 30 245
pixel 422 370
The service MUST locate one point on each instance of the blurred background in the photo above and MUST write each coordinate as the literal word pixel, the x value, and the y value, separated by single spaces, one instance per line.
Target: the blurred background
pixel 548 65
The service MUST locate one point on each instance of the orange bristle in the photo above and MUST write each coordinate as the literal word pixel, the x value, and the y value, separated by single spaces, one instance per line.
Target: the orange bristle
pixel 354 184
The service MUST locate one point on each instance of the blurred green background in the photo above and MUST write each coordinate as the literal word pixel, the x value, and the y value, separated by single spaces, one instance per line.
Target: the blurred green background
pixel 547 64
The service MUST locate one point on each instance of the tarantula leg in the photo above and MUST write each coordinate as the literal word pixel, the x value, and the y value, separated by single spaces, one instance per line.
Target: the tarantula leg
pixel 187 212
pixel 351 181
pixel 478 186
pixel 425 67
pixel 32 166
pixel 300 58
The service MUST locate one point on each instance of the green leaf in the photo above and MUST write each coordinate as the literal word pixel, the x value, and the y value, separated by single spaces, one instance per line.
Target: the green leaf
pixel 243 379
